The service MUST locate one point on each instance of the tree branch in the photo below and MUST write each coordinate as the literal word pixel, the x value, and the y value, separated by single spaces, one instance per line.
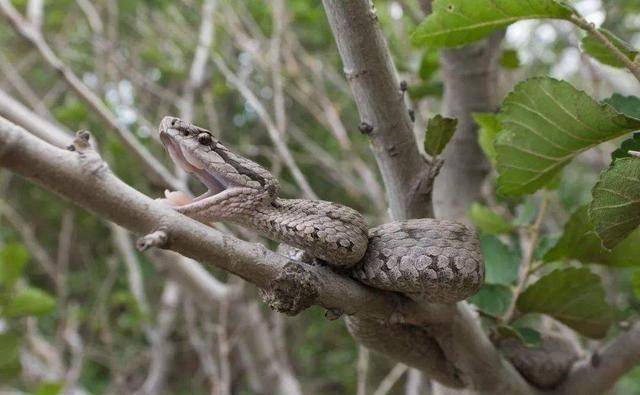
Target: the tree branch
pixel 84 178
pixel 601 371
pixel 21 115
pixel 274 133
pixel 470 80
pixel 376 89
pixel 591 28
pixel 33 36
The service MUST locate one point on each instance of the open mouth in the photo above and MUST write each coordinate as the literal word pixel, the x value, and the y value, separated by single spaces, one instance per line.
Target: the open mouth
pixel 215 183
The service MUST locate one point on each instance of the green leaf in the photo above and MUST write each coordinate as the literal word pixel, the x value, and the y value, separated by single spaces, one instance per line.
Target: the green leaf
pixel 526 212
pixel 49 388
pixel 577 183
pixel 30 301
pixel 546 124
pixel 635 283
pixel 501 262
pixel 509 59
pixel 632 144
pixel 532 337
pixel 458 22
pixel 627 105
pixel 487 220
pixel 429 64
pixel 615 209
pixel 626 253
pixel 545 244
pixel 13 258
pixel 574 297
pixel 431 88
pixel 579 241
pixel 10 344
pixel 493 299
pixel 489 129
pixel 525 335
pixel 600 52
pixel 439 132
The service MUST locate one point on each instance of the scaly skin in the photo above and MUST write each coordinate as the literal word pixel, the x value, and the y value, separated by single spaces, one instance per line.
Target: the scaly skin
pixel 426 259
pixel 437 259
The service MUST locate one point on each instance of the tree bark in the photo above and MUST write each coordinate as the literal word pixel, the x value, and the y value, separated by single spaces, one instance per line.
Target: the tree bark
pixel 384 115
pixel 408 181
pixel 470 86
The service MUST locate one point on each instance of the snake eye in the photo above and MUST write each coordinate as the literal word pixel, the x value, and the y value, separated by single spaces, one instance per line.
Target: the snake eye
pixel 204 138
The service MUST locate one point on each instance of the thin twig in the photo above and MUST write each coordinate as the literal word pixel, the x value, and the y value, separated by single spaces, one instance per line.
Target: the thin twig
pixel 529 237
pixel 28 237
pixel 591 28
pixel 390 379
pixel 362 369
pixel 274 134
pixel 33 36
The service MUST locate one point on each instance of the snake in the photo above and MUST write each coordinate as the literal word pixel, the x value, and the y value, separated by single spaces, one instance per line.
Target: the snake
pixel 426 259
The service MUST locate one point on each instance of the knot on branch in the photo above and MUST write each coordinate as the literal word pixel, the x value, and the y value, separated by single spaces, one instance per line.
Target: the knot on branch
pixel 293 291
pixel 157 238
pixel 91 162
pixel 365 128
pixel 353 74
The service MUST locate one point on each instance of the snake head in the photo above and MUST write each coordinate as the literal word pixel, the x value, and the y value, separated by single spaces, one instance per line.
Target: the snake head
pixel 234 183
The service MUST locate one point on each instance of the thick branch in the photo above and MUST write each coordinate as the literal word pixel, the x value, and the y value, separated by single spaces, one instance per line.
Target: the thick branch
pixel 17 113
pixel 470 80
pixel 84 178
pixel 376 89
pixel 597 374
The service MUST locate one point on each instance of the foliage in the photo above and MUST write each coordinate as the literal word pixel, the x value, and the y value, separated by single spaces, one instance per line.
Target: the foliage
pixel 615 210
pixel 439 132
pixel 546 123
pixel 458 22
pixel 557 294
pixel 488 221
pixel 489 128
pixel 599 51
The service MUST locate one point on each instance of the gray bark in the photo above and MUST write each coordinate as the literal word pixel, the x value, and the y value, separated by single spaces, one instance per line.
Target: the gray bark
pixel 470 80
pixel 376 90
pixel 460 344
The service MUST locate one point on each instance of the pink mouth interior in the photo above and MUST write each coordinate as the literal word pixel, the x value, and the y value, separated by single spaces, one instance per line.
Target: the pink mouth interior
pixel 215 183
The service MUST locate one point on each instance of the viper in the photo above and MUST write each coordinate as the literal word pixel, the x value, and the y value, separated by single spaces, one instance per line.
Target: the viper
pixel 431 260
pixel 435 260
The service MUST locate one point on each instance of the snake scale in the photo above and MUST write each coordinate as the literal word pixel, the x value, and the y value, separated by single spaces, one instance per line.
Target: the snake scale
pixel 434 260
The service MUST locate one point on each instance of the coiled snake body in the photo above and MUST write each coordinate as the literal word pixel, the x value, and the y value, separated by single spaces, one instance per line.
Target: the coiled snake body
pixel 435 260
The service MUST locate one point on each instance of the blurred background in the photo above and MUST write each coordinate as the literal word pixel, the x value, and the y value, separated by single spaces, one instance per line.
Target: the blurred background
pixel 266 77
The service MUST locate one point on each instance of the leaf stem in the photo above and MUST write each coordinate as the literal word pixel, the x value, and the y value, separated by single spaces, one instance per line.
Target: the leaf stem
pixel 591 28
pixel 529 237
